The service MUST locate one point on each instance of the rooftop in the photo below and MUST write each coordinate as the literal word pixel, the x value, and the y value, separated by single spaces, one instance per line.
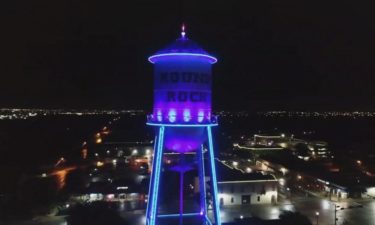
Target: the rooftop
pixel 228 174
pixel 182 47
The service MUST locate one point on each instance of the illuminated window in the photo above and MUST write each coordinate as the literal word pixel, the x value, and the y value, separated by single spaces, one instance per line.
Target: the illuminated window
pixel 187 116
pixel 159 116
pixel 172 115
pixel 200 116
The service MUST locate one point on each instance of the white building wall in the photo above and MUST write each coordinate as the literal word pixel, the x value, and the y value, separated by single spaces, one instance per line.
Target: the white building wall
pixel 262 192
pixel 371 192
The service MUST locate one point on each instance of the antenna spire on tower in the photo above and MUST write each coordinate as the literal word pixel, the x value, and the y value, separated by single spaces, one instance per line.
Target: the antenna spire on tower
pixel 183 31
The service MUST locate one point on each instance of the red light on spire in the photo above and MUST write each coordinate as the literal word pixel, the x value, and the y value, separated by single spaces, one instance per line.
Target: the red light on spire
pixel 183 31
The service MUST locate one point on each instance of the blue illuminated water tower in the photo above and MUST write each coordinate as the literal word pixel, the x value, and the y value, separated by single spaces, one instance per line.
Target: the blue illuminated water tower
pixel 183 118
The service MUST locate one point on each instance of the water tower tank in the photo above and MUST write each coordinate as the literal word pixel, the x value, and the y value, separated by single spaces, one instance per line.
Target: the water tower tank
pixel 182 93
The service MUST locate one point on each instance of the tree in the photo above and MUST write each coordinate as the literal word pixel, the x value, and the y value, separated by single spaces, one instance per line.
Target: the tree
pixel 96 213
pixel 289 217
pixel 301 150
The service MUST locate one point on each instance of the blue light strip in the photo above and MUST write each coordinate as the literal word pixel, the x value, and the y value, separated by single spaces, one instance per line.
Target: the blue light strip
pixel 213 178
pixel 181 125
pixel 211 59
pixel 151 179
pixel 208 220
pixel 156 184
pixel 177 215
pixel 202 183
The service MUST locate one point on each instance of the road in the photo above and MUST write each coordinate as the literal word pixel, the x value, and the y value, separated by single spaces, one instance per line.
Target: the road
pixel 42 220
pixel 309 206
pixel 306 205
pixel 354 216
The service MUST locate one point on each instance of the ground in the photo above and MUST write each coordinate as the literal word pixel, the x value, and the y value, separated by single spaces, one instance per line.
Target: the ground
pixel 348 210
pixel 309 206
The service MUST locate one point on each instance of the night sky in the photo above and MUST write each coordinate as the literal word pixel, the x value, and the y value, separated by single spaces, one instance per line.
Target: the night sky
pixel 273 55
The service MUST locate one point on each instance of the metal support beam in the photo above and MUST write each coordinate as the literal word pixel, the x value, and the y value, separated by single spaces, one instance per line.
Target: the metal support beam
pixel 213 178
pixel 155 181
pixel 202 183
pixel 152 178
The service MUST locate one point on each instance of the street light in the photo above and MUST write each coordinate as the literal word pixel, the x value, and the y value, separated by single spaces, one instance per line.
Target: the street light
pixel 317 218
pixel 283 170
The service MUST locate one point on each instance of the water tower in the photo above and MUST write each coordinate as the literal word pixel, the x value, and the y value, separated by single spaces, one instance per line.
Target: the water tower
pixel 183 120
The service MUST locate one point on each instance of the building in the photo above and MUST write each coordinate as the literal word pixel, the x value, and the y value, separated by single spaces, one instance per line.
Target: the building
pixel 370 192
pixel 238 188
pixel 319 150
pixel 265 142
pixel 119 190
pixel 272 140
pixel 125 149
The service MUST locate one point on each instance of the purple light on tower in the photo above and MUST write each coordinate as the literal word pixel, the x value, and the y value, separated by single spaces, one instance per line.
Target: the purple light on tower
pixel 182 113
pixel 182 89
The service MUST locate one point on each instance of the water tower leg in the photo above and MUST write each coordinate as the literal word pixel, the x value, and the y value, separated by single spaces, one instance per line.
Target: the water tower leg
pixel 153 194
pixel 215 203
pixel 181 196
pixel 152 176
pixel 202 183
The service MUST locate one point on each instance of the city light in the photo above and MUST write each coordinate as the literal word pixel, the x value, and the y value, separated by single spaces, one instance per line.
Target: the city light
pixel 122 188
pixel 98 141
pixel 283 170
